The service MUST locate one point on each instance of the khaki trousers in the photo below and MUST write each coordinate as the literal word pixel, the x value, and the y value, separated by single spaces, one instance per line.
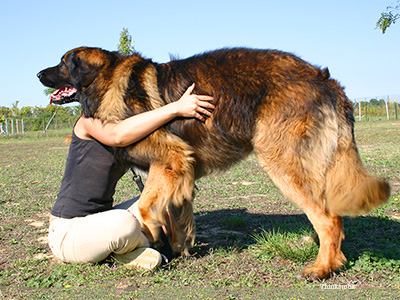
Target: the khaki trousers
pixel 93 238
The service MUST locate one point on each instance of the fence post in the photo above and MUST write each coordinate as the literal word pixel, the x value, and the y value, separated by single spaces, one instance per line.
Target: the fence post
pixel 51 119
pixel 359 111
pixel 387 107
pixel 22 126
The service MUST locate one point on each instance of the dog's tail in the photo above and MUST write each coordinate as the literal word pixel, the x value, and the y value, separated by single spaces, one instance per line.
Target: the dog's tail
pixel 367 193
pixel 350 190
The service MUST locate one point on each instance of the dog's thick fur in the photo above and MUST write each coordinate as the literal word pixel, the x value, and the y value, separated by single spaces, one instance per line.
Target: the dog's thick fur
pixel 292 114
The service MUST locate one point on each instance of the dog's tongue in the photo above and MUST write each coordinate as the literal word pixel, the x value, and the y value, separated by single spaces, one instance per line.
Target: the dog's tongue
pixel 62 93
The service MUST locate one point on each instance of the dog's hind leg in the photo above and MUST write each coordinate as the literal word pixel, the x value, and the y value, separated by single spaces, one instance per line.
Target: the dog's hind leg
pixel 330 232
pixel 328 227
pixel 296 154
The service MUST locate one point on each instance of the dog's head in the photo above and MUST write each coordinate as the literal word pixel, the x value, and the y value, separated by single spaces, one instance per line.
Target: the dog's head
pixel 75 75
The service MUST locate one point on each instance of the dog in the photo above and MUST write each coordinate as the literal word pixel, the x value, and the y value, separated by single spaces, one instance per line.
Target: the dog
pixel 293 115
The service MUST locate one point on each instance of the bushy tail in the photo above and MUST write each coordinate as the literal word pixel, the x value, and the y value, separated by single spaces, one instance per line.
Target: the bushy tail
pixel 350 189
pixel 367 195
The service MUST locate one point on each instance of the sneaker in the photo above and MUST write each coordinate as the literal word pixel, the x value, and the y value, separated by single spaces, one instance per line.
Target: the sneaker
pixel 146 258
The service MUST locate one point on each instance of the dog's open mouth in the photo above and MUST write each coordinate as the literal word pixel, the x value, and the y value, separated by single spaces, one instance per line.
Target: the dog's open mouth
pixel 64 95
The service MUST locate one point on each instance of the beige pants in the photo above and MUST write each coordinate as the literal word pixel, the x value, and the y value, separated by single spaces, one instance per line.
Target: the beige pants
pixel 92 238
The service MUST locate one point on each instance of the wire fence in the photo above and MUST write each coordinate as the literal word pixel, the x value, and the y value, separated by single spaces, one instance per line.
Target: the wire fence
pixel 23 126
pixel 365 109
pixel 377 108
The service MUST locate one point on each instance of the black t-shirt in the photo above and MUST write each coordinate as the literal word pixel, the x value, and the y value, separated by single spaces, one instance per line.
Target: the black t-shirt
pixel 91 175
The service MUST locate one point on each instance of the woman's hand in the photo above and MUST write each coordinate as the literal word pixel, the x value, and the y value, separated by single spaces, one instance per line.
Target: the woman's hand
pixel 192 105
pixel 141 125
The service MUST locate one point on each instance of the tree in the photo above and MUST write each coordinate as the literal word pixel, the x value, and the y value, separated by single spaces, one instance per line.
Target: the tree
pixel 48 91
pixel 374 102
pixel 26 111
pixel 125 43
pixel 5 111
pixel 15 109
pixel 389 17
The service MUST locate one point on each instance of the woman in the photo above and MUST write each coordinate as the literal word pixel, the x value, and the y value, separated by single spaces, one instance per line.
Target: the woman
pixel 84 226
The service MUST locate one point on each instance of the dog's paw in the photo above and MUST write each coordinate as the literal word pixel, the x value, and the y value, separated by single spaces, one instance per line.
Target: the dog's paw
pixel 315 273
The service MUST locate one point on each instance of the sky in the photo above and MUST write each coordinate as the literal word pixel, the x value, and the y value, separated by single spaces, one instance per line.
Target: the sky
pixel 337 34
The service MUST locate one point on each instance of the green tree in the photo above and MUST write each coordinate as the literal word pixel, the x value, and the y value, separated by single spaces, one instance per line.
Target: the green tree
pixel 5 111
pixel 374 102
pixel 26 111
pixel 389 17
pixel 15 109
pixel 125 43
pixel 48 91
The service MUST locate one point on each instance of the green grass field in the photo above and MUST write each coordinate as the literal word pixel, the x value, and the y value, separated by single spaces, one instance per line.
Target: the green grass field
pixel 249 245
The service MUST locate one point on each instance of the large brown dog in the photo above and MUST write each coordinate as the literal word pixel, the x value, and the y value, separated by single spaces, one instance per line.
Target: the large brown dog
pixel 297 120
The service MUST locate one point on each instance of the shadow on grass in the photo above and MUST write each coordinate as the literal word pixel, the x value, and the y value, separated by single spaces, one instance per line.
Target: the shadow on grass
pixel 375 235
pixel 227 228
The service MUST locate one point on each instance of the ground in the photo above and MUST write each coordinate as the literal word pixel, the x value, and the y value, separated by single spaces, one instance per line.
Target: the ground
pixel 250 240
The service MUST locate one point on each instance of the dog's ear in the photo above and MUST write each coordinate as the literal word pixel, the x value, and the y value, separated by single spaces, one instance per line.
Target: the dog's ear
pixel 83 68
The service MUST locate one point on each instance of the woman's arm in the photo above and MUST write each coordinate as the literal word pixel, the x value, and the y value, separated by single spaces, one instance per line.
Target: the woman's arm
pixel 139 126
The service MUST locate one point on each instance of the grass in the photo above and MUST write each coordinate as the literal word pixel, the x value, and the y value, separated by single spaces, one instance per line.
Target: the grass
pixel 286 245
pixel 249 241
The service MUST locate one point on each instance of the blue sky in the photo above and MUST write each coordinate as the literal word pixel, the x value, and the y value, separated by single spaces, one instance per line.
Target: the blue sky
pixel 339 34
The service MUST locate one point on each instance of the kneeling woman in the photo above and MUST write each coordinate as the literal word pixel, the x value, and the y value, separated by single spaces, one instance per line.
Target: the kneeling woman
pixel 84 225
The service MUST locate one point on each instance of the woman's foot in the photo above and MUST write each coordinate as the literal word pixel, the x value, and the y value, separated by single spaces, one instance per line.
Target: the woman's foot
pixel 146 258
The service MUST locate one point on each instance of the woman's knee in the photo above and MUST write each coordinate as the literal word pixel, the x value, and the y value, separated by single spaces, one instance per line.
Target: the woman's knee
pixel 126 229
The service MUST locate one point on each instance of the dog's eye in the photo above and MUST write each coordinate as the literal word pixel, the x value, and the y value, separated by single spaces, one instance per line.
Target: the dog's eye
pixel 63 68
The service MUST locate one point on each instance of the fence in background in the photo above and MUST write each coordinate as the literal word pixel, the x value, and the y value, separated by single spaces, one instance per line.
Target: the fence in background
pixel 13 126
pixel 365 109
pixel 377 108
pixel 16 126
